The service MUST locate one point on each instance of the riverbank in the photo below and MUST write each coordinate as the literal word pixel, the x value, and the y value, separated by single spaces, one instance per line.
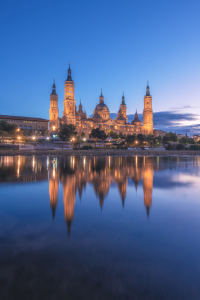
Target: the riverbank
pixel 100 152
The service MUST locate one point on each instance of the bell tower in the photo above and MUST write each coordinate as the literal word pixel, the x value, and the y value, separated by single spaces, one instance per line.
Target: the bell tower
pixel 69 112
pixel 148 112
pixel 123 108
pixel 53 111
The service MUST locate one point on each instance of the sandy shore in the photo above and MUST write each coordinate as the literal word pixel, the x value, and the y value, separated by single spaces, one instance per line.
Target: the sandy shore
pixel 98 152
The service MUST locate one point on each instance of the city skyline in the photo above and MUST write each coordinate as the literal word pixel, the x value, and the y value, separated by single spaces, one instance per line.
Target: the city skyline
pixel 110 46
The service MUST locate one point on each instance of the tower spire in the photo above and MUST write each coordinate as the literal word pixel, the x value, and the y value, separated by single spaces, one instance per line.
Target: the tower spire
pixel 123 99
pixel 53 88
pixel 147 89
pixel 101 98
pixel 69 76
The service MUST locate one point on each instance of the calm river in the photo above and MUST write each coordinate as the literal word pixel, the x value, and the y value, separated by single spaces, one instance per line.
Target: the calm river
pixel 99 228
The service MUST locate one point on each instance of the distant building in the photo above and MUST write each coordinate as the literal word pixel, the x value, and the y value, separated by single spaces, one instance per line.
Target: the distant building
pixel 180 136
pixel 26 123
pixel 159 132
pixel 101 116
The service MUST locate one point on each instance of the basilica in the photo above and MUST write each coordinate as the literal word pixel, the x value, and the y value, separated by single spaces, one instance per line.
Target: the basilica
pixel 101 115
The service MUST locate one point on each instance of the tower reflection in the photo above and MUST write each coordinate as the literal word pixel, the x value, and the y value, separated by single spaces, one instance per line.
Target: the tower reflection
pixel 76 172
pixel 73 174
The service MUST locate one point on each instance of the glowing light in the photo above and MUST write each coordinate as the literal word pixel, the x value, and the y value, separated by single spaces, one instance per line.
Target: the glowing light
pixel 33 137
pixel 47 138
pixel 47 162
pixel 54 127
pixel 19 137
pixel 84 139
pixel 84 162
pixel 33 162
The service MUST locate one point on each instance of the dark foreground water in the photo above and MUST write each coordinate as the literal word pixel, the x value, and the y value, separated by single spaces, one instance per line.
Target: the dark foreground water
pixel 99 228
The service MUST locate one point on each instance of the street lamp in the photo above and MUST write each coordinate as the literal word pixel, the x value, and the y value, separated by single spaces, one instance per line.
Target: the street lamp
pixel 33 137
pixel 54 127
pixel 19 137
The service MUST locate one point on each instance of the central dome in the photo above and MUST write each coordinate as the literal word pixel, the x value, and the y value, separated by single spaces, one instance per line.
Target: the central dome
pixel 101 109
pixel 102 106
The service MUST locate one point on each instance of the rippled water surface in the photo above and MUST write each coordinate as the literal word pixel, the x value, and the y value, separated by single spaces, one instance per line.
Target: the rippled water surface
pixel 99 227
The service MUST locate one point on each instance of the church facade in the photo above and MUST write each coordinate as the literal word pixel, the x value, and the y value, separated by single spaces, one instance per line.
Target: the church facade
pixel 101 115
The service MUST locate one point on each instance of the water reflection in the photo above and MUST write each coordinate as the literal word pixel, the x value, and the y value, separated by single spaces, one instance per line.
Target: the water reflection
pixel 101 172
pixel 134 225
pixel 74 173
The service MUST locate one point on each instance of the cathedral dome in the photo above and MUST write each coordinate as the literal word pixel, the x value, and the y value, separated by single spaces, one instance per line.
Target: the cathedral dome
pixel 101 109
pixel 136 120
pixel 102 106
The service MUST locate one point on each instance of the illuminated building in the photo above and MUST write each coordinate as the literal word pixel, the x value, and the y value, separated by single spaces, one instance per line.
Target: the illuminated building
pixel 26 123
pixel 101 115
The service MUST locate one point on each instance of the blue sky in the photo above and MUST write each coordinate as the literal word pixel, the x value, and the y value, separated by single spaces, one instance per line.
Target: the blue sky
pixel 113 45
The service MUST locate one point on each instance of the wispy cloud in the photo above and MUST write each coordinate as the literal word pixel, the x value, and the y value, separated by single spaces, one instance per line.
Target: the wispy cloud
pixel 172 121
pixel 181 107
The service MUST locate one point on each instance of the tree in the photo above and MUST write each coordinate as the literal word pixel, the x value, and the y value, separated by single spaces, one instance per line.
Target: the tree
pixel 76 143
pixel 180 146
pixel 183 140
pixel 159 138
pixel 6 127
pixel 165 138
pixel 83 134
pixel 122 136
pixel 98 134
pixel 173 137
pixel 113 134
pixel 67 131
pixel 130 139
pixel 141 138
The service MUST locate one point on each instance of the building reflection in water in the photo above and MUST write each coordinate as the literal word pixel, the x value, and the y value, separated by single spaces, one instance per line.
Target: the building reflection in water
pixel 74 173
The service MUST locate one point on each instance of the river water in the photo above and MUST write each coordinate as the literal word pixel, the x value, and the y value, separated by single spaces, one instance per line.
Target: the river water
pixel 99 227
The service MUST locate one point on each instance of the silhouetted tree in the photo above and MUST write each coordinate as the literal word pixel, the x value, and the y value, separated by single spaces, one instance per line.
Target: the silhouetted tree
pixel 130 139
pixel 98 134
pixel 67 131
pixel 113 134
pixel 122 136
